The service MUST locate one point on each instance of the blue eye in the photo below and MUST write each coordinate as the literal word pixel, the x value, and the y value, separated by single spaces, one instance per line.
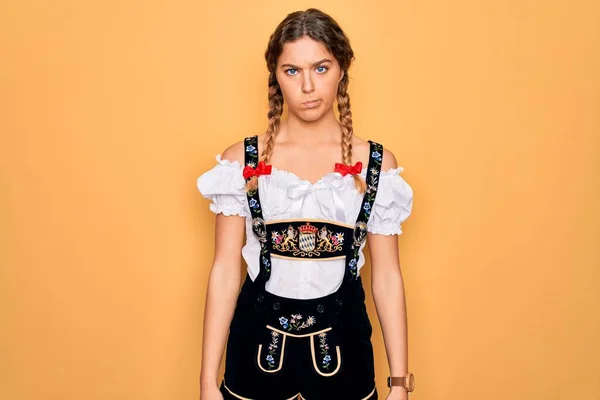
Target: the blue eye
pixel 290 69
pixel 322 66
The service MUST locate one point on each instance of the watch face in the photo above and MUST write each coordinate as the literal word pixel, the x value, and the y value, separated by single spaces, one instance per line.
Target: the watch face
pixel 411 383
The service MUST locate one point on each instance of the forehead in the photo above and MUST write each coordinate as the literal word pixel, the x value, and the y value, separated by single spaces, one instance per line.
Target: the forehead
pixel 304 51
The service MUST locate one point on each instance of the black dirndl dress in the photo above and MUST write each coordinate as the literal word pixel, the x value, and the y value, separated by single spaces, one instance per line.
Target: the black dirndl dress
pixel 283 348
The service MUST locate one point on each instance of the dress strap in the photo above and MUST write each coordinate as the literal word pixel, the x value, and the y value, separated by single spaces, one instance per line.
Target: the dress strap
pixel 359 236
pixel 258 223
pixel 360 226
pixel 251 160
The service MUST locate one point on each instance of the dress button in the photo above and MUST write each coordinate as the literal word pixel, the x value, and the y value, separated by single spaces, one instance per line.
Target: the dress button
pixel 260 298
pixel 320 308
pixel 339 302
pixel 276 306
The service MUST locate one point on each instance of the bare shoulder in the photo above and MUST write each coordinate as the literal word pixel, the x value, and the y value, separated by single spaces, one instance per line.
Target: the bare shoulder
pixel 361 149
pixel 234 152
pixel 388 161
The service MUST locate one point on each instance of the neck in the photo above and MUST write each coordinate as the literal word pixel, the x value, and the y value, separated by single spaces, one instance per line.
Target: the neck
pixel 324 130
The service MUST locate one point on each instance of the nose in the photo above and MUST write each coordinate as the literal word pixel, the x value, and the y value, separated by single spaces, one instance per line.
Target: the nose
pixel 307 83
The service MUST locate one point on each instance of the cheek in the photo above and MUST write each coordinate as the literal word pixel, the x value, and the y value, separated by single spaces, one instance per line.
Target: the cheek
pixel 329 89
pixel 290 91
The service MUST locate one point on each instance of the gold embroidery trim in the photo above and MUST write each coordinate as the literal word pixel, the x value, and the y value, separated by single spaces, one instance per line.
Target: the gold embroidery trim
pixel 298 395
pixel 247 398
pixel 298 335
pixel 317 259
pixel 364 398
pixel 322 221
pixel 280 357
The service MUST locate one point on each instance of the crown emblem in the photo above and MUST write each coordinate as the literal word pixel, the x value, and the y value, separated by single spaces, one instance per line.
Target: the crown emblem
pixel 308 228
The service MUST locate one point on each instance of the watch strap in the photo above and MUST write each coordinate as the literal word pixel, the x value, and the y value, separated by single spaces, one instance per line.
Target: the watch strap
pixel 407 381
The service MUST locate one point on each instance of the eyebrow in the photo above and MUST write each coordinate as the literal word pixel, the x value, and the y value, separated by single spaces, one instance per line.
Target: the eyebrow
pixel 314 64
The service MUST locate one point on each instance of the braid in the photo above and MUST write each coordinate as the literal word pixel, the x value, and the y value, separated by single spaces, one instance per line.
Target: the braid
pixel 346 121
pixel 274 114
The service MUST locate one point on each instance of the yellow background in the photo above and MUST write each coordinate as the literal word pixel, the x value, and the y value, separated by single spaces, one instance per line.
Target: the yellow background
pixel 110 110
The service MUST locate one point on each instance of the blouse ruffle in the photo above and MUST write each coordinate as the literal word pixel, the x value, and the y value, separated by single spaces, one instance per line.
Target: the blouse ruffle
pixel 393 204
pixel 224 184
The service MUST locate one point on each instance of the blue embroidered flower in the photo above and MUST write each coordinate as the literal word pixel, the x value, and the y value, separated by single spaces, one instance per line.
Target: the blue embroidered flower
pixel 376 155
pixel 352 264
pixel 324 350
pixel 273 349
pixel 266 262
pixel 253 203
pixel 367 207
pixel 251 149
pixel 284 322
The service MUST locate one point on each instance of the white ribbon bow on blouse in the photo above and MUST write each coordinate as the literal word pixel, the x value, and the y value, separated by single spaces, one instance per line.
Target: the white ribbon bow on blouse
pixel 299 190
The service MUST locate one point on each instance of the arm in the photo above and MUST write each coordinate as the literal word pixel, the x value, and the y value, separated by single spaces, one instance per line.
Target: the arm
pixel 387 287
pixel 388 294
pixel 223 286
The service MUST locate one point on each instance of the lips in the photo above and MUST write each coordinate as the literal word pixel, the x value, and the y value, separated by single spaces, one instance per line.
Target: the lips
pixel 310 104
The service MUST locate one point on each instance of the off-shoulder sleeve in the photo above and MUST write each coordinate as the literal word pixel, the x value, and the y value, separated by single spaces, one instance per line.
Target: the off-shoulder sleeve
pixel 223 184
pixel 392 205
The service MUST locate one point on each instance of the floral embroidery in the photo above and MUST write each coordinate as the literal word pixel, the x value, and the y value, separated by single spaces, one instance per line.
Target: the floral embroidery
pixel 352 265
pixel 338 239
pixel 264 251
pixel 294 322
pixel 367 208
pixel 272 349
pixel 360 229
pixel 324 350
pixel 373 178
pixel 258 224
pixel 266 263
pixel 252 161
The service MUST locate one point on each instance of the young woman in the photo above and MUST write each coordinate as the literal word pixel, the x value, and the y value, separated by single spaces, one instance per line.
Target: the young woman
pixel 298 328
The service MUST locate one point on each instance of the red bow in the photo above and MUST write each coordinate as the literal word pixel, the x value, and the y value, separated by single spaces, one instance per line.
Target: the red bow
pixel 261 169
pixel 348 169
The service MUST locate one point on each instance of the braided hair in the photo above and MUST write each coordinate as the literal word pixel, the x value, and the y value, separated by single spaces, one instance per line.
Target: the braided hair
pixel 320 27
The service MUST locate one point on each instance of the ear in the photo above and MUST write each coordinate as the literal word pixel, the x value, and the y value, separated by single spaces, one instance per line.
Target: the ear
pixel 341 76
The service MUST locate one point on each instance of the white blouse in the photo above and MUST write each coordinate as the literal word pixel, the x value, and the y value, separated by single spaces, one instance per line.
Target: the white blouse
pixel 284 195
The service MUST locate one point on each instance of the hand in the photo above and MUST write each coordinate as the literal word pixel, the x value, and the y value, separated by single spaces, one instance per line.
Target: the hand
pixel 397 393
pixel 211 393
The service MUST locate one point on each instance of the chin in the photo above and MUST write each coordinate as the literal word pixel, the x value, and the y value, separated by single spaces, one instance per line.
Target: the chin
pixel 309 115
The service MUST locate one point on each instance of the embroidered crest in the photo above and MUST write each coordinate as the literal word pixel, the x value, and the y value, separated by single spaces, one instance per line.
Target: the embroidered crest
pixel 284 241
pixel 307 240
pixel 308 237
pixel 330 242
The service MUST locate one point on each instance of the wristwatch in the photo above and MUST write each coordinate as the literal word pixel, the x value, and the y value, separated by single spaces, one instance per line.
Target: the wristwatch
pixel 407 381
